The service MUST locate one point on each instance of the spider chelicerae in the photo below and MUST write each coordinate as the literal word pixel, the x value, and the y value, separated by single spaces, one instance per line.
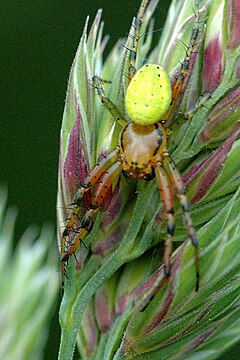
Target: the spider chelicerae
pixel 142 152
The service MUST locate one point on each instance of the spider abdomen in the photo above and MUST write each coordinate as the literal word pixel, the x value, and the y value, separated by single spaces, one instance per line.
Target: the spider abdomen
pixel 148 95
pixel 140 148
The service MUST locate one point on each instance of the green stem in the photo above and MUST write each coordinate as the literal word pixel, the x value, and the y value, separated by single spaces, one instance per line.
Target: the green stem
pixel 72 322
pixel 72 307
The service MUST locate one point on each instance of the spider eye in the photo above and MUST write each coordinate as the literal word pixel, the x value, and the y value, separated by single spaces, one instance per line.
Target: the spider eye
pixel 148 95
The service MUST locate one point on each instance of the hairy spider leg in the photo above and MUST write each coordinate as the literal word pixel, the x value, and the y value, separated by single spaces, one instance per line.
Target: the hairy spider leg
pixel 178 83
pixel 180 189
pixel 136 25
pixel 96 173
pixel 84 229
pixel 99 192
pixel 69 227
pixel 200 103
pixel 86 224
pixel 110 106
pixel 166 192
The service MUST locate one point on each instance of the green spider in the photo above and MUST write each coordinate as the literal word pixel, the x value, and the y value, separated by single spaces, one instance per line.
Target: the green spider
pixel 142 151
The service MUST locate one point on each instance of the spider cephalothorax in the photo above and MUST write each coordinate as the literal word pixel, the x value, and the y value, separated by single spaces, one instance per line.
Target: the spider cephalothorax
pixel 142 151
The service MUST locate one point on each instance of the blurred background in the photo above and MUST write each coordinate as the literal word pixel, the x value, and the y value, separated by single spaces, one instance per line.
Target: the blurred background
pixel 38 43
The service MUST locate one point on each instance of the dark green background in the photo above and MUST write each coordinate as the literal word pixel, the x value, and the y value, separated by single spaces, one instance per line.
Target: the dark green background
pixel 38 42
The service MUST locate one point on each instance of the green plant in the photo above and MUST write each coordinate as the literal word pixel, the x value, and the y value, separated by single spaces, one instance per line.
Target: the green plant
pixel 29 285
pixel 117 302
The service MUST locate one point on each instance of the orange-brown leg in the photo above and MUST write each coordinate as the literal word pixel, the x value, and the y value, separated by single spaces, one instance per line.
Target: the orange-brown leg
pixel 91 179
pixel 178 185
pixel 102 176
pixel 165 188
pixel 103 186
pixel 178 84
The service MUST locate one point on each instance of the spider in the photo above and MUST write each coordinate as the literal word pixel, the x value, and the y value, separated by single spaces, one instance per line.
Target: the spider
pixel 142 153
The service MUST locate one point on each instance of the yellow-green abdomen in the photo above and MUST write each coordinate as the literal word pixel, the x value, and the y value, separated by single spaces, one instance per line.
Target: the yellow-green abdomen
pixel 148 95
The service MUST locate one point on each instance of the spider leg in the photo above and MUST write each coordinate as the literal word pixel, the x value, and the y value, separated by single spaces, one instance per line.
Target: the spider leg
pixel 70 227
pixel 178 84
pixel 104 185
pixel 109 105
pixel 165 188
pixel 200 103
pixel 136 25
pixel 180 189
pixel 85 228
pixel 97 172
